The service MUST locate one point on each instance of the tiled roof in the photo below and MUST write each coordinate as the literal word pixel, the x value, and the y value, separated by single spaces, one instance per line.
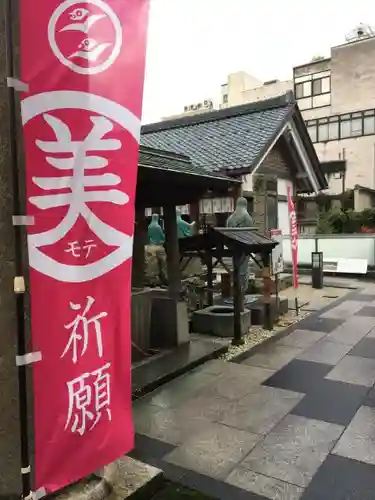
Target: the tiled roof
pixel 228 139
pixel 248 239
pixel 165 160
pixel 245 239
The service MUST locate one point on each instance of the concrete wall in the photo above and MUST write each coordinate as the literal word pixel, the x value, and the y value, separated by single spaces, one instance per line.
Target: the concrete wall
pixel 359 154
pixel 363 200
pixel 242 88
pixel 267 91
pixel 237 84
pixel 353 76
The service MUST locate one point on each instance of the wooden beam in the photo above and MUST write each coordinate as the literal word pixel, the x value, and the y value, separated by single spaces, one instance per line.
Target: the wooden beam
pixel 210 278
pixel 173 254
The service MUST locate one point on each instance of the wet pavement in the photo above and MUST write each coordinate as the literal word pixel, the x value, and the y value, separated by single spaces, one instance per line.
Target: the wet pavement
pixel 293 420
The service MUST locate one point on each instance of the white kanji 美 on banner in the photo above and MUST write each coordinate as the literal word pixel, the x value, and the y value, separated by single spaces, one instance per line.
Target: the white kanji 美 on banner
pixel 83 161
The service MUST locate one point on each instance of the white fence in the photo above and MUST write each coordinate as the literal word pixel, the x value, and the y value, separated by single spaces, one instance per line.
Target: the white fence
pixel 340 246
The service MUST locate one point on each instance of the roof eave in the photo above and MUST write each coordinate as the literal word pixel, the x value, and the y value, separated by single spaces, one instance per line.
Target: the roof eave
pixel 298 124
pixel 257 162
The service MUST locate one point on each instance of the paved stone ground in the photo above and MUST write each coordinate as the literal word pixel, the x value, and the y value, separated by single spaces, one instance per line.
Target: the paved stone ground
pixel 294 420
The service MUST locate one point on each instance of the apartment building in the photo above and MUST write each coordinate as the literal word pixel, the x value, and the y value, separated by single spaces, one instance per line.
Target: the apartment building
pixel 336 96
pixel 242 88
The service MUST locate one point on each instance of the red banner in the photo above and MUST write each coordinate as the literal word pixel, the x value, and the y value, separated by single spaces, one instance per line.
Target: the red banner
pixel 84 64
pixel 293 236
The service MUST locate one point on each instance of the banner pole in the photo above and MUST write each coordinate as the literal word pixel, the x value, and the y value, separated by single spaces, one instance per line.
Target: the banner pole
pixel 19 287
pixel 296 303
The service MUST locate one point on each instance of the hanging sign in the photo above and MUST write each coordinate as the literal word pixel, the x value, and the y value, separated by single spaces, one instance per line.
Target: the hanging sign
pixel 293 236
pixel 84 64
pixel 277 252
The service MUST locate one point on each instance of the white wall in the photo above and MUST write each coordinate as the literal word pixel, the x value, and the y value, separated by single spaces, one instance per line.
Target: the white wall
pixel 343 246
pixel 247 182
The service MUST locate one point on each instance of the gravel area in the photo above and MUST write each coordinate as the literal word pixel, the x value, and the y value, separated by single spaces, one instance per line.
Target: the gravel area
pixel 315 299
pixel 257 335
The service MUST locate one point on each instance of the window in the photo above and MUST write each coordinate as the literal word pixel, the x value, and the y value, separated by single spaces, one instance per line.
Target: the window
pixel 338 127
pixel 321 86
pixel 312 129
pixel 356 124
pixel 323 130
pixel 369 122
pixel 312 87
pixel 299 91
pixel 306 89
pixel 303 90
pixel 333 128
pixel 326 85
pixel 345 129
pixel 225 98
pixel 317 87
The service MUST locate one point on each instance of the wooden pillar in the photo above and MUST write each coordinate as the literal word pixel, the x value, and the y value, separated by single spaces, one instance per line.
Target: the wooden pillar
pixel 173 253
pixel 267 291
pixel 237 301
pixel 140 240
pixel 210 278
pixel 237 192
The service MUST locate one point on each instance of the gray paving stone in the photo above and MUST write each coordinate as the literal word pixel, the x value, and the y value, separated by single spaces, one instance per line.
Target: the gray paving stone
pixel 261 411
pixel 214 452
pixel 176 392
pixel 267 487
pixel 273 356
pixel 352 330
pixel 214 367
pixel 168 425
pixel 301 339
pixel 365 348
pixel 358 440
pixel 366 296
pixel 371 334
pixel 294 450
pixel 325 352
pixel 344 310
pixel 239 381
pixel 318 324
pixel 354 370
pixel 316 304
pixel 368 311
pixel 209 406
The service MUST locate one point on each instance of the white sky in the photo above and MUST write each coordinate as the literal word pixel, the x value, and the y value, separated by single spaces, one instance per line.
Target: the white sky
pixel 194 44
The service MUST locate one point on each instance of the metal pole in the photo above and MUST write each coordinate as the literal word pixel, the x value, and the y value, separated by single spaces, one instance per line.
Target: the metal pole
pixel 277 293
pixel 19 295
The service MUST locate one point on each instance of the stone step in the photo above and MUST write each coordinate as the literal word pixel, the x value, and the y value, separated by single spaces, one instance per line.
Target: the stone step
pixel 125 479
